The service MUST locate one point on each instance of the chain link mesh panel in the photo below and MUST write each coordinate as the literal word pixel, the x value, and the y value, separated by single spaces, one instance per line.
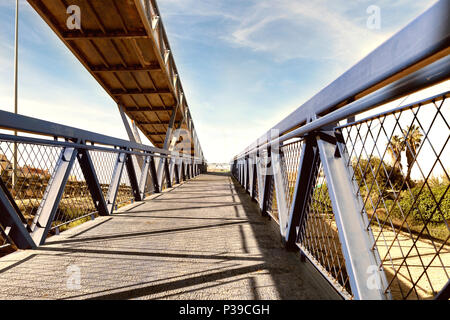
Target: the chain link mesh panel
pixel 26 170
pixel 290 155
pixel 76 202
pixel 398 164
pixel 319 239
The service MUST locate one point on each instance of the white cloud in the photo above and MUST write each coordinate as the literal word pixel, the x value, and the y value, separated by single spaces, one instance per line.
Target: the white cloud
pixel 305 29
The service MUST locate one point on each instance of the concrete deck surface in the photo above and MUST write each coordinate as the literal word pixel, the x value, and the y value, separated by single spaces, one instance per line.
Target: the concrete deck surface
pixel 204 239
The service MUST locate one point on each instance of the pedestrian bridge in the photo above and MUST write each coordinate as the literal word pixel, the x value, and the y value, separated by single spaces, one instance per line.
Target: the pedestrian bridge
pixel 202 239
pixel 346 198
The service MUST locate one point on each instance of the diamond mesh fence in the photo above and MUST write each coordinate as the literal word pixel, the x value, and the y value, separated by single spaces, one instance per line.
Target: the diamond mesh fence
pixel 290 155
pixel 397 162
pixel 319 239
pixel 26 168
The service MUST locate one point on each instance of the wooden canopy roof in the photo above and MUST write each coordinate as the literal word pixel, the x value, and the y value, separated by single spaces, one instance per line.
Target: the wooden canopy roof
pixel 122 43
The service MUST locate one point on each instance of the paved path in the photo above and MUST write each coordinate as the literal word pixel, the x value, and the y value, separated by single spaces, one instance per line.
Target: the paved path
pixel 200 240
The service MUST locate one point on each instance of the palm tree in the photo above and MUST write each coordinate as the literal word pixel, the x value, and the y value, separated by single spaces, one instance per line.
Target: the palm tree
pixel 395 148
pixel 412 143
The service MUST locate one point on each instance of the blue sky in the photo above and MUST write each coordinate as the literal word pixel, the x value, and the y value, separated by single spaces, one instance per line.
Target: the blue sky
pixel 244 64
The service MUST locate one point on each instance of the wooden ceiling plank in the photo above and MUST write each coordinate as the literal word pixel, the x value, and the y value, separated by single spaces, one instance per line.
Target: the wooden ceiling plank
pixel 120 68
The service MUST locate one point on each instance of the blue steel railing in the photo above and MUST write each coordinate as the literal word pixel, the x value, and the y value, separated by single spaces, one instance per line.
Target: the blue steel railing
pixel 362 192
pixel 54 176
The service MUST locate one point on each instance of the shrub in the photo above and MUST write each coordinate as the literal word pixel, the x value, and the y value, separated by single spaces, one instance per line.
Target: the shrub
pixel 423 203
pixel 387 177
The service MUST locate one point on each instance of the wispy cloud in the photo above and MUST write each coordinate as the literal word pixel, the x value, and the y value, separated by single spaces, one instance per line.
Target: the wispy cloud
pixel 245 64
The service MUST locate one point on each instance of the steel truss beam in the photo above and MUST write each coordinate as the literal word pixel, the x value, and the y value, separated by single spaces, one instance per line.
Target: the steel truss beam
pixel 87 167
pixel 356 240
pixel 47 210
pixel 12 221
pixel 133 92
pixel 280 190
pixel 156 185
pixel 115 182
pixel 304 184
pixel 121 68
pixel 133 177
pixel 167 173
pixel 144 176
pixel 176 172
pixel 251 175
pixel 90 35
pixel 261 179
pixel 167 140
pixel 182 170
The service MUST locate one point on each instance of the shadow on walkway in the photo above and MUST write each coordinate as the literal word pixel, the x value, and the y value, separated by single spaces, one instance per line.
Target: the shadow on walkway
pixel 221 248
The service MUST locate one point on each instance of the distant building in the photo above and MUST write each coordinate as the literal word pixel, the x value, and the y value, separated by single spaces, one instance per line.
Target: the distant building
pixel 219 166
pixel 23 172
pixel 30 172
pixel 5 164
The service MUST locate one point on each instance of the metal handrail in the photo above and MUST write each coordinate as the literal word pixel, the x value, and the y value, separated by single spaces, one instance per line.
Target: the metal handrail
pixel 21 123
pixel 393 67
pixel 347 246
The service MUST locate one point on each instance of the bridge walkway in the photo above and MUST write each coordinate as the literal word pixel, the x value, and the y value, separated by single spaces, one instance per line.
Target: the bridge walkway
pixel 203 239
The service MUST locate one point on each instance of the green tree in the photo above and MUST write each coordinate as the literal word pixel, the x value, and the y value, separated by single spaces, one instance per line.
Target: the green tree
pixel 395 147
pixel 412 143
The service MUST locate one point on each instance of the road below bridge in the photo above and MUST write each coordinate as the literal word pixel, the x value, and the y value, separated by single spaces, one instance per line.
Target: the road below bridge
pixel 203 239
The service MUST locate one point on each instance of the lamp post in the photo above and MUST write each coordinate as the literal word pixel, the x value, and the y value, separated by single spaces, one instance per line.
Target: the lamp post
pixel 16 63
